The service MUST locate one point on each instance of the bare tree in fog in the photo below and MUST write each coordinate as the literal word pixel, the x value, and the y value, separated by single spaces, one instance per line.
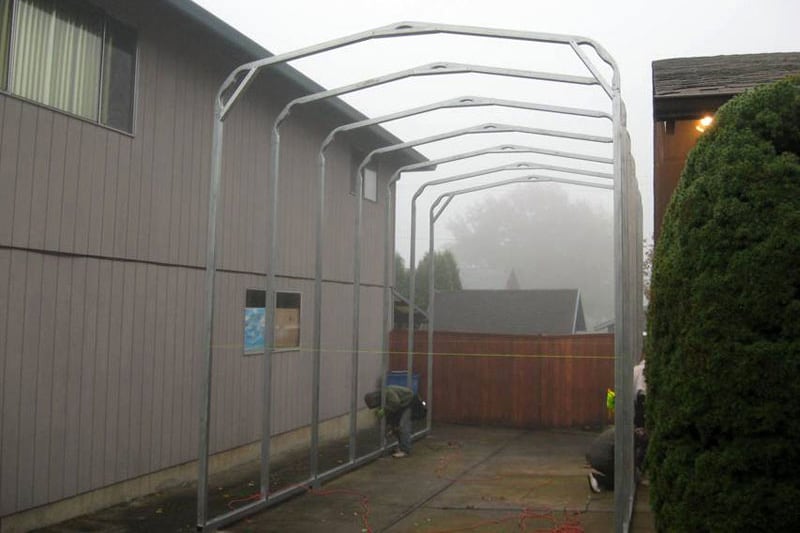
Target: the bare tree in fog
pixel 548 239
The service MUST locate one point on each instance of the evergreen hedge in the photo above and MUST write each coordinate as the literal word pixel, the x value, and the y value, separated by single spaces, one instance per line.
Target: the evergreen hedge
pixel 723 348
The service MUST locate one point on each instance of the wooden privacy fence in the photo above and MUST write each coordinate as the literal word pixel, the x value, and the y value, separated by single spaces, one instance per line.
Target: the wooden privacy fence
pixel 538 381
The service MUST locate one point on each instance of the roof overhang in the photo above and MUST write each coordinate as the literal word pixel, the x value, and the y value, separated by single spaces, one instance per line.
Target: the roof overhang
pixel 690 87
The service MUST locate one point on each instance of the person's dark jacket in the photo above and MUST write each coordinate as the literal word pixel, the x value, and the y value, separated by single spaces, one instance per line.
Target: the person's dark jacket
pixel 601 458
pixel 398 398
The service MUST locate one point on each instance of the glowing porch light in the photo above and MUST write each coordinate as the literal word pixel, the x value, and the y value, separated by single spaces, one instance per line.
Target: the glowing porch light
pixel 704 123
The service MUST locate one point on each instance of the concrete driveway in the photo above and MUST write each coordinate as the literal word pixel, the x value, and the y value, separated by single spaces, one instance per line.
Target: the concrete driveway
pixel 458 478
pixel 461 478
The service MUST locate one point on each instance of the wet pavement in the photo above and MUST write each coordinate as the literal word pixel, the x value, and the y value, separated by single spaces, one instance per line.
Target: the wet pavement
pixel 458 478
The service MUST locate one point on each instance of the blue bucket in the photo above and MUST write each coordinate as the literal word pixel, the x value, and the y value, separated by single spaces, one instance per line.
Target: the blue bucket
pixel 399 377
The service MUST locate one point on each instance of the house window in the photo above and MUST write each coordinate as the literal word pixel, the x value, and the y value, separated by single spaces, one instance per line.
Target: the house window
pixel 70 56
pixel 370 179
pixel 370 184
pixel 5 39
pixel 287 321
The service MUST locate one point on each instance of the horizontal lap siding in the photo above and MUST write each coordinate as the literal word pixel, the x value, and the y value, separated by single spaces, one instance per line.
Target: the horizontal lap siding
pixel 519 381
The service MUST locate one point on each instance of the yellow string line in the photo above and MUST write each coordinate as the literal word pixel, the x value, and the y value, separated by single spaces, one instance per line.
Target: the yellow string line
pixel 446 354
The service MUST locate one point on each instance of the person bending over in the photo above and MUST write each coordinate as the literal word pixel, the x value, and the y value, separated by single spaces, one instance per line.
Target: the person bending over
pixel 397 410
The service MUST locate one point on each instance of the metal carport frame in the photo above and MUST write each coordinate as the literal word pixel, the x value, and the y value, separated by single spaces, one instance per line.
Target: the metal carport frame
pixel 500 149
pixel 479 129
pixel 425 70
pixel 459 102
pixel 627 231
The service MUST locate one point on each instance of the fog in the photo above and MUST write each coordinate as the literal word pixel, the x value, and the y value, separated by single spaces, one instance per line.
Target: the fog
pixel 549 239
pixel 573 251
pixel 634 32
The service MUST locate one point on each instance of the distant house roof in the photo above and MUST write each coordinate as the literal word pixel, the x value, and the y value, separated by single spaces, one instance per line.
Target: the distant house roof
pixel 520 312
pixel 255 51
pixel 606 325
pixel 687 86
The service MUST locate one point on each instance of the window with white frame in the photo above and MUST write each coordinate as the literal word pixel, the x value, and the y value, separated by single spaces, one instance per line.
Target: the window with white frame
pixel 69 55
pixel 370 185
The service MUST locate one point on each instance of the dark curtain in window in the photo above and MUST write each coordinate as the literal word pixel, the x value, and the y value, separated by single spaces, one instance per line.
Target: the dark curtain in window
pixel 119 66
pixel 5 35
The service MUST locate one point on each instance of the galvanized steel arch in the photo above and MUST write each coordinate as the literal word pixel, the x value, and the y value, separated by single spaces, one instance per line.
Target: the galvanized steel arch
pixel 227 96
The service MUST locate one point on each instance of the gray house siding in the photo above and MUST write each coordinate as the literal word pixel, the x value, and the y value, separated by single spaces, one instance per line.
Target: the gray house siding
pixel 102 255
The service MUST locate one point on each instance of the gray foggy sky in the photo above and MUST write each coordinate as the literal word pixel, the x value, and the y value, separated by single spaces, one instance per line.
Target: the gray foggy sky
pixel 634 32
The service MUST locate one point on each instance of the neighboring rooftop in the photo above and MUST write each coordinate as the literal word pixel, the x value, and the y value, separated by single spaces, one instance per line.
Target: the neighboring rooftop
pixel 692 76
pixel 515 312
pixel 685 86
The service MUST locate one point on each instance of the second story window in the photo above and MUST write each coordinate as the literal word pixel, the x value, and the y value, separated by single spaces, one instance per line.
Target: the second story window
pixel 70 56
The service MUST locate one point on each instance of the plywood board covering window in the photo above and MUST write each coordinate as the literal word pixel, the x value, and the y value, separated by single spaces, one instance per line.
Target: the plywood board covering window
pixel 287 320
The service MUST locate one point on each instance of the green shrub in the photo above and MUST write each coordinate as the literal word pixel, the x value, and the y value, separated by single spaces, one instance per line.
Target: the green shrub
pixel 723 365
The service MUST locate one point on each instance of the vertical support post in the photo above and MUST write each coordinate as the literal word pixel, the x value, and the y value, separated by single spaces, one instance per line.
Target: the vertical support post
pixel 431 303
pixel 208 334
pixel 623 367
pixel 317 342
pixel 412 289
pixel 356 312
pixel 270 302
pixel 388 300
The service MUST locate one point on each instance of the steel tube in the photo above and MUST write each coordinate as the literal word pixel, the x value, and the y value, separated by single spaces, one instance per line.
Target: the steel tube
pixel 400 30
pixel 425 70
pixel 208 332
pixel 237 514
pixel 622 493
pixel 431 315
pixel 435 68
pixel 239 79
pixel 389 200
pixel 412 255
pixel 463 102
pixel 357 315
pixel 481 128
pixel 317 334
pixel 460 102
pixel 269 306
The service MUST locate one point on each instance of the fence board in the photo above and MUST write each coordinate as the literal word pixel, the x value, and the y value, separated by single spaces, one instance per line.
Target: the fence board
pixel 508 380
